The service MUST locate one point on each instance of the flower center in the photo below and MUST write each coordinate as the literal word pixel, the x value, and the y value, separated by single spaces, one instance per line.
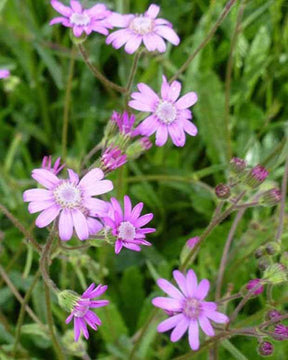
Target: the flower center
pixel 80 19
pixel 141 25
pixel 67 195
pixel 192 308
pixel 126 231
pixel 166 112
pixel 81 308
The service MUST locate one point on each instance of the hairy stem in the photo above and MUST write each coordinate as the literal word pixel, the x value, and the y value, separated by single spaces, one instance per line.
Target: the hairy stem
pixel 132 75
pixel 283 201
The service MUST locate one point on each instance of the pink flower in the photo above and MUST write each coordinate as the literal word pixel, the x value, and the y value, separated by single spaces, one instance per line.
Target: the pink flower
pixel 81 313
pixel 124 122
pixel 113 158
pixel 142 28
pixel 47 164
pixel 188 307
pixel 191 243
pixel 81 20
pixel 69 199
pixel 169 115
pixel 255 283
pixel 127 225
pixel 4 73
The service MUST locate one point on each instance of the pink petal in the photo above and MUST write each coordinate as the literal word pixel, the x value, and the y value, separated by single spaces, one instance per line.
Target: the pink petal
pixel 45 178
pixel 136 211
pixel 203 289
pixel 62 9
pixel 74 178
pixel 191 283
pixel 83 327
pixel 97 10
pixel 119 38
pixel 77 328
pixel 117 207
pixel 217 317
pixel 174 92
pixel 76 6
pixel 159 43
pixel 97 207
pixel 131 246
pixel 100 29
pixel 148 92
pixel 209 305
pixel 206 326
pixel 187 100
pixel 94 226
pixel 121 21
pixel 168 34
pixel 118 246
pixel 36 206
pixel 152 11
pixel 69 318
pixel 161 135
pixel 193 335
pixel 133 44
pixel 167 303
pixel 170 289
pixel 127 207
pixel 181 281
pixel 165 88
pixel 98 188
pixel 37 195
pixel 169 323
pixel 65 225
pixel 58 20
pixel 47 216
pixel 149 41
pixel 177 134
pixel 141 106
pixel 92 318
pixel 179 329
pixel 98 303
pixel 78 30
pixel 148 126
pixel 189 127
pixel 80 224
pixel 91 177
pixel 143 220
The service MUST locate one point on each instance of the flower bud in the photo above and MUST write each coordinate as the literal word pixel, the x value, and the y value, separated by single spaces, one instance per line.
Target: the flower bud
pixel 271 197
pixel 284 258
pixel 112 159
pixel 237 165
pixel 272 248
pixel 281 332
pixel 68 299
pixel 255 284
pixel 222 191
pixel 264 262
pixel 275 273
pixel 273 314
pixel 191 243
pixel 256 176
pixel 265 348
pixel 78 40
pixel 259 252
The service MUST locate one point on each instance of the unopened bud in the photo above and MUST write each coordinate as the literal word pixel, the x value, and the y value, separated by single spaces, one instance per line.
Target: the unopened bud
pixel 259 253
pixel 255 286
pixel 191 243
pixel 275 273
pixel 68 299
pixel 273 314
pixel 222 191
pixel 281 332
pixel 271 197
pixel 78 40
pixel 256 176
pixel 237 165
pixel 273 248
pixel 264 262
pixel 265 348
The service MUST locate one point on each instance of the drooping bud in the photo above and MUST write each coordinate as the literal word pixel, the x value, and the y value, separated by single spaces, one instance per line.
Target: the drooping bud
pixel 271 197
pixel 273 314
pixel 191 243
pixel 146 143
pixel 275 273
pixel 265 348
pixel 112 159
pixel 273 248
pixel 256 176
pixel 68 299
pixel 222 191
pixel 237 165
pixel 255 284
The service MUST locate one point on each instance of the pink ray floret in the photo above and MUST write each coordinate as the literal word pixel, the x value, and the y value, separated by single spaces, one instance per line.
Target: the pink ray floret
pixel 170 114
pixel 145 28
pixel 69 200
pixel 187 308
pixel 47 164
pixel 124 122
pixel 127 225
pixel 82 20
pixel 4 73
pixel 113 158
pixel 82 314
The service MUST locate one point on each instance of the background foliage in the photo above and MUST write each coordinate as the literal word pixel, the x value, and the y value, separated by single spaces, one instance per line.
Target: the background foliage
pixel 176 184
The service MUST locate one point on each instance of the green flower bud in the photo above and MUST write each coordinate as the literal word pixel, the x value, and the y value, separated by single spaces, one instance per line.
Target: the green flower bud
pixel 259 252
pixel 273 248
pixel 275 273
pixel 264 262
pixel 284 259
pixel 78 40
pixel 68 299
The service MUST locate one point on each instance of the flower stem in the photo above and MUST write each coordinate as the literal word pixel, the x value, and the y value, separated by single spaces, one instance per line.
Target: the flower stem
pixel 97 73
pixel 283 200
pixel 219 21
pixel 132 75
pixel 67 105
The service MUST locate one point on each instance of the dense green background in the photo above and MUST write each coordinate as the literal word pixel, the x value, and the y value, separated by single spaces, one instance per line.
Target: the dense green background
pixel 176 184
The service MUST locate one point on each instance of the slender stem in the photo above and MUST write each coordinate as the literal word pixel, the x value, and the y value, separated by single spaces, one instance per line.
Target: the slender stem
pixel 50 322
pixel 209 36
pixel 229 76
pixel 132 75
pixel 22 312
pixel 225 253
pixel 92 152
pixel 97 73
pixel 18 296
pixel 283 200
pixel 229 298
pixel 273 321
pixel 21 228
pixel 247 205
pixel 67 105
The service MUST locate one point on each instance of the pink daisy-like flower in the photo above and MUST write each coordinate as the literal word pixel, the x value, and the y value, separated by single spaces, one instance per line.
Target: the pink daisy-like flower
pixel 127 225
pixel 4 73
pixel 70 199
pixel 81 313
pixel 142 28
pixel 82 20
pixel 124 122
pixel 188 308
pixel 113 158
pixel 47 164
pixel 169 115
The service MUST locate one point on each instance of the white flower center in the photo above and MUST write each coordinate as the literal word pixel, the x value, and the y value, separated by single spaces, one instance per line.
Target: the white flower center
pixel 192 308
pixel 126 231
pixel 67 195
pixel 141 25
pixel 79 19
pixel 166 112
pixel 81 308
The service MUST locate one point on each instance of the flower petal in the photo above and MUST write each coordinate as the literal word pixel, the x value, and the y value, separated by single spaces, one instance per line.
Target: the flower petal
pixel 217 317
pixel 203 289
pixel 193 335
pixel 76 6
pixel 62 9
pixel 152 11
pixel 37 195
pixel 167 303
pixel 47 216
pixel 206 326
pixel 181 281
pixel 133 44
pixel 189 127
pixel 148 126
pixel 168 33
pixel 191 283
pixel 80 224
pixel 161 135
pixel 127 207
pixel 169 289
pixel 179 329
pixel 65 225
pixel 94 225
pixel 45 178
pixel 187 100
pixel 169 323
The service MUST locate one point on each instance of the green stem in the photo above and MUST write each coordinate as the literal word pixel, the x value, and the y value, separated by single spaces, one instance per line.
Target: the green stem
pixel 97 73
pixel 67 105
pixel 132 75
pixel 219 21
pixel 283 200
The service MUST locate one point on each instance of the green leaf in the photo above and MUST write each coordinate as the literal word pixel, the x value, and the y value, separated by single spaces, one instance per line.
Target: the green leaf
pixel 233 350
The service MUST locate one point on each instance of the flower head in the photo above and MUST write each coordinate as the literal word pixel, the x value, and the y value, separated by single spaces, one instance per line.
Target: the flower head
pixel 113 158
pixel 82 20
pixel 256 176
pixel 169 115
pixel 82 313
pixel 70 199
pixel 4 73
pixel 255 284
pixel 222 191
pixel 47 164
pixel 271 197
pixel 188 307
pixel 238 165
pixel 144 28
pixel 124 122
pixel 127 225
pixel 266 348
pixel 191 243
